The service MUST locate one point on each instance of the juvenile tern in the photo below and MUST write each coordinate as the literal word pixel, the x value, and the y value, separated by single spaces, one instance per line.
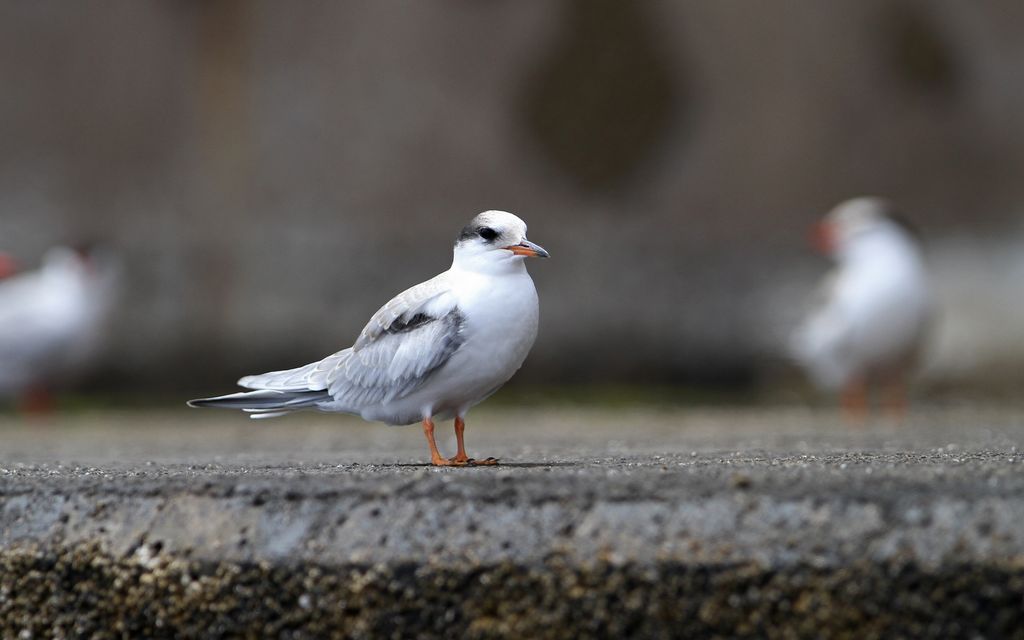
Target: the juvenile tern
pixel 873 311
pixel 434 351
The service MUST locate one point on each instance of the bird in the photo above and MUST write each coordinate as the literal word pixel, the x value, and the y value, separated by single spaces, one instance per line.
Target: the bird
pixel 53 320
pixel 432 352
pixel 872 314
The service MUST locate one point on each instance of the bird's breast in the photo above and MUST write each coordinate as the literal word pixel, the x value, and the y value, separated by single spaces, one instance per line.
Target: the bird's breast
pixel 501 321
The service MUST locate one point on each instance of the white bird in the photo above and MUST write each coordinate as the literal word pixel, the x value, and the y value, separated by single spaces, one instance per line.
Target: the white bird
pixel 52 320
pixel 874 309
pixel 434 351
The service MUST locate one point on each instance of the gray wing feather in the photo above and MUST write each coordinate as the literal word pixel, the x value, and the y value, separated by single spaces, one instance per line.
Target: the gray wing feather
pixel 285 380
pixel 399 348
pixel 401 308
pixel 824 340
pixel 397 362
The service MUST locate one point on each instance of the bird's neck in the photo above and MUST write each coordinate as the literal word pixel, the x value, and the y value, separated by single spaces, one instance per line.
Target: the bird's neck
pixel 477 265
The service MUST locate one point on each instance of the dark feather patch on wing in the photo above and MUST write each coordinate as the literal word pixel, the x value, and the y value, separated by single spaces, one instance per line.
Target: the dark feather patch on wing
pixel 387 368
pixel 402 326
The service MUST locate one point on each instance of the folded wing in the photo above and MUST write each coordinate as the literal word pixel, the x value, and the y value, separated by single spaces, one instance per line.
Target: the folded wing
pixel 823 343
pixel 408 339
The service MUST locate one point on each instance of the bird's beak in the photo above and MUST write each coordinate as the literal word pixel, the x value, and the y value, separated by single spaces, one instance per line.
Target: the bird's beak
pixel 528 249
pixel 823 238
pixel 8 266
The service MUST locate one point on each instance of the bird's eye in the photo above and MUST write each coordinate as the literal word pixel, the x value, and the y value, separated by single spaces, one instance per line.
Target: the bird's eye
pixel 487 233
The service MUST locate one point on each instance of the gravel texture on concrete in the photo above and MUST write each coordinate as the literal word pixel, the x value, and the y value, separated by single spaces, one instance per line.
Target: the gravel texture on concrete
pixel 601 523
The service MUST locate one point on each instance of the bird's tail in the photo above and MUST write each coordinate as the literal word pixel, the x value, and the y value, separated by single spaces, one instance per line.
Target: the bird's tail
pixel 264 403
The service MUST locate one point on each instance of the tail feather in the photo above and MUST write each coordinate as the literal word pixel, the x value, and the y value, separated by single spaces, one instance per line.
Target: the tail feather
pixel 264 403
pixel 310 377
pixel 259 415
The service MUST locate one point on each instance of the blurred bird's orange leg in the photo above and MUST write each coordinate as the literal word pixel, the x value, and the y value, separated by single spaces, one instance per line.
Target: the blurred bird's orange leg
pixel 460 456
pixel 896 398
pixel 435 455
pixel 36 401
pixel 855 401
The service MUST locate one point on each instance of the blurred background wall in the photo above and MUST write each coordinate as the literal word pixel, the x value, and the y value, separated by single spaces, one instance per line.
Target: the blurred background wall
pixel 272 172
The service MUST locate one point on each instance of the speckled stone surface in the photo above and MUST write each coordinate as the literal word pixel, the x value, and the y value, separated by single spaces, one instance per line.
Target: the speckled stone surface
pixel 599 523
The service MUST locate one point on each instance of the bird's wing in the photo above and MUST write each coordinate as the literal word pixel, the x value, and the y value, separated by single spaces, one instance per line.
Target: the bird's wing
pixel 397 362
pixel 402 344
pixel 823 343
pixel 29 319
pixel 20 298
pixel 35 329
pixel 434 294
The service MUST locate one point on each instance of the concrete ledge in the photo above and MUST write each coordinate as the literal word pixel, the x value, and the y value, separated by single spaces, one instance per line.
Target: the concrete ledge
pixel 861 536
pixel 772 510
pixel 677 545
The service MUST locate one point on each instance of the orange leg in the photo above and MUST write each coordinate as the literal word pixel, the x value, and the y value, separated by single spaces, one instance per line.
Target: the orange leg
pixel 37 401
pixel 435 455
pixel 896 398
pixel 855 402
pixel 460 456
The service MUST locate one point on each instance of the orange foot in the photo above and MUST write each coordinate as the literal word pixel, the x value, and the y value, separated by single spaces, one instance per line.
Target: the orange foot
pixel 462 461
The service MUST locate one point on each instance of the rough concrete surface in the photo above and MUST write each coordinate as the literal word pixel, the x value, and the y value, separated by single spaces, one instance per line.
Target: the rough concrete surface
pixel 599 523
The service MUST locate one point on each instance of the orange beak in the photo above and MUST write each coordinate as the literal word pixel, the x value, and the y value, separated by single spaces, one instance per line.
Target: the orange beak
pixel 8 266
pixel 528 249
pixel 823 238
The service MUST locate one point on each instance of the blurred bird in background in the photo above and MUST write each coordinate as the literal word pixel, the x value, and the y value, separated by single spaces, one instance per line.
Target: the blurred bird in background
pixel 52 322
pixel 868 326
pixel 435 350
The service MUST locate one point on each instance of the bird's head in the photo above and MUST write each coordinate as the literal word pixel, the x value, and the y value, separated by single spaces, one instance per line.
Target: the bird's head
pixel 494 240
pixel 853 220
